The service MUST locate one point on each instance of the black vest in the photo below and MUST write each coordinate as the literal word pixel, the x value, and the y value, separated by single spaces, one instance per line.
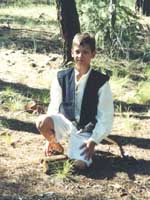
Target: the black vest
pixel 88 113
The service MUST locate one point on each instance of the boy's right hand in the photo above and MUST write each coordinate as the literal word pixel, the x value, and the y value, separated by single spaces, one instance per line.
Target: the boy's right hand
pixel 52 148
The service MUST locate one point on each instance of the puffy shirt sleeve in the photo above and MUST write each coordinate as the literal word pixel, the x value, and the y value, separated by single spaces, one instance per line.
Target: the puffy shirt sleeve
pixel 105 112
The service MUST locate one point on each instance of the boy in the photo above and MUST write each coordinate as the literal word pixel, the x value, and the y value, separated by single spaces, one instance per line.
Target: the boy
pixel 81 105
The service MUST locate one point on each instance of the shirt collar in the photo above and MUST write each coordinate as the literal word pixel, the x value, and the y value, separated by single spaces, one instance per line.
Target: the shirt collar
pixel 84 76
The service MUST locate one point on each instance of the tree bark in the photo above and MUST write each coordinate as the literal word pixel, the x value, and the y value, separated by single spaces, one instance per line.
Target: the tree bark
pixel 143 6
pixel 112 10
pixel 69 21
pixel 146 7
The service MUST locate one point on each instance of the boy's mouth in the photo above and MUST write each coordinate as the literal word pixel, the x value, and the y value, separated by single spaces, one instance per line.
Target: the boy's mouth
pixel 79 60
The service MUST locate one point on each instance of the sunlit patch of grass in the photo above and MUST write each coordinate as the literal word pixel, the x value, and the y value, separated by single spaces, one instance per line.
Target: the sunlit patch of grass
pixel 29 16
pixel 118 86
pixel 33 11
pixel 122 72
pixel 15 105
pixel 130 123
pixel 14 101
pixel 7 138
pixel 147 71
pixel 11 100
pixel 65 171
pixel 131 97
pixel 143 92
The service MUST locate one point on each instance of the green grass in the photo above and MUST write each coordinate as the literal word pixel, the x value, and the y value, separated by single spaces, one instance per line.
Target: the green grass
pixel 34 17
pixel 130 123
pixel 8 138
pixel 64 172
pixel 118 86
pixel 143 92
pixel 147 71
pixel 43 96
pixel 32 27
pixel 11 100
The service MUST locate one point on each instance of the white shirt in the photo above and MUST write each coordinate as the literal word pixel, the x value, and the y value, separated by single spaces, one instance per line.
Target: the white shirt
pixel 105 108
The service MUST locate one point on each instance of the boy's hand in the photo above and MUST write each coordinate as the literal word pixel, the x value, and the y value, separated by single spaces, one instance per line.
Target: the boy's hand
pixel 53 148
pixel 48 149
pixel 88 149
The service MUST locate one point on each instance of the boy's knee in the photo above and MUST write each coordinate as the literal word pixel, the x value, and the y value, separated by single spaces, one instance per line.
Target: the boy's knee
pixel 44 123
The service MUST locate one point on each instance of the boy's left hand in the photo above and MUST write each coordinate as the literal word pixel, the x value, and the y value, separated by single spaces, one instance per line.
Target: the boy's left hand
pixel 88 149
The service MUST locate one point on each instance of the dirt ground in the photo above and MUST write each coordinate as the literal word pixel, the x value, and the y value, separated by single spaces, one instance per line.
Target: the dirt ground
pixel 21 174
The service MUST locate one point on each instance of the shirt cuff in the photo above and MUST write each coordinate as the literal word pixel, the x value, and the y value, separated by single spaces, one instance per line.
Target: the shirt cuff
pixel 93 140
pixel 98 139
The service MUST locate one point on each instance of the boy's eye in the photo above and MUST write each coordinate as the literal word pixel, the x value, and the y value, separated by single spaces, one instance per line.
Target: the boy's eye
pixel 77 52
pixel 85 52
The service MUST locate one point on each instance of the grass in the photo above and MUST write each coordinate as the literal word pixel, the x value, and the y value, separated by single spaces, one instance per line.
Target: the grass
pixel 11 100
pixel 119 109
pixel 23 16
pixel 30 27
pixel 8 139
pixel 143 92
pixel 118 86
pixel 147 71
pixel 43 96
pixel 14 99
pixel 130 123
pixel 64 172
pixel 129 79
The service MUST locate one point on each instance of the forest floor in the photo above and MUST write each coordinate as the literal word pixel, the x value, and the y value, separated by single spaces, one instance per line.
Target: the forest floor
pixel 25 74
pixel 21 174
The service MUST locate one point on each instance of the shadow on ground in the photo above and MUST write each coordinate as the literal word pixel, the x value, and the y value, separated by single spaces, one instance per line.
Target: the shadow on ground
pixel 31 40
pixel 124 140
pixel 18 125
pixel 134 107
pixel 23 89
pixel 106 166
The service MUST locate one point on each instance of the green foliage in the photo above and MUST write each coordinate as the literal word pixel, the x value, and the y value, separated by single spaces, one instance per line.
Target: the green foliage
pixel 118 41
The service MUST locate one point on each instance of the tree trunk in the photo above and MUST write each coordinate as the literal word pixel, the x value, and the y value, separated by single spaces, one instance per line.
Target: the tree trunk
pixel 112 10
pixel 69 21
pixel 143 6
pixel 146 7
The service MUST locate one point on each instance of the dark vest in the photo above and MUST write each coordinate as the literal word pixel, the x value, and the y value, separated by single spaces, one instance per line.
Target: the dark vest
pixel 88 113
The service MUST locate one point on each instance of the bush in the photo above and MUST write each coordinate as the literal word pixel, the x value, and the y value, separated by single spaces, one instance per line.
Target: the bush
pixel 117 41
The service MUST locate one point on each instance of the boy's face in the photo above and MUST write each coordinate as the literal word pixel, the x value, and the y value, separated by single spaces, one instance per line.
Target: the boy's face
pixel 82 55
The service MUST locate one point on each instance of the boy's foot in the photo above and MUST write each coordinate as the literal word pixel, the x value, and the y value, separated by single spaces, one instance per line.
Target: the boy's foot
pixel 79 164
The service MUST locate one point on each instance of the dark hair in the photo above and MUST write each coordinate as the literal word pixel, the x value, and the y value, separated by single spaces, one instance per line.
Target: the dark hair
pixel 84 39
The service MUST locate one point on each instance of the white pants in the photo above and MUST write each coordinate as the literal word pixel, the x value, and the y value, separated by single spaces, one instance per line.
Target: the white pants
pixel 64 128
